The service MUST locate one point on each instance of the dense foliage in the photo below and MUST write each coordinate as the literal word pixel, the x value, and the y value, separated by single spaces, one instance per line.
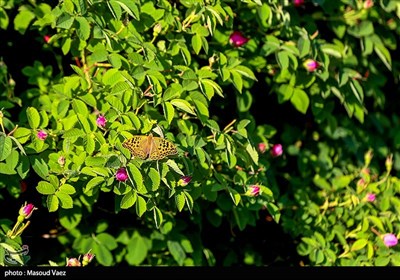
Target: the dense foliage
pixel 255 115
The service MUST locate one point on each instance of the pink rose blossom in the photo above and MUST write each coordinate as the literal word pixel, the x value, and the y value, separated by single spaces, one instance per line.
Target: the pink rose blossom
pixel 101 121
pixel 27 210
pixel 311 65
pixel 253 190
pixel 121 175
pixel 42 135
pixel 371 197
pixel 237 39
pixel 276 150
pixel 390 239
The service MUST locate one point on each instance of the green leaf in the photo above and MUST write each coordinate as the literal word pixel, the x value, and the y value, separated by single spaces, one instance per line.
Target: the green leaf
pixel 283 59
pixel 183 105
pixel 65 199
pixel 4 19
pixel 169 111
pixel 80 107
pixel 93 183
pixel 359 244
pixel 82 28
pixel 196 43
pixel 384 55
pixel 70 218
pixel 235 196
pixel 180 200
pixel 45 188
pixel 22 134
pixel 5 147
pixel 67 188
pixel 23 19
pixel 128 200
pixel 158 217
pixel 65 21
pixel 300 100
pixel 136 250
pixel 141 206
pixel 237 80
pixel 176 251
pixel 52 203
pixel 155 179
pixel 39 166
pixel 137 178
pixel 33 117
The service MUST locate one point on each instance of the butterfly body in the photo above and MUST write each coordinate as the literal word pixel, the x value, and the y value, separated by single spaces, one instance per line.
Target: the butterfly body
pixel 149 147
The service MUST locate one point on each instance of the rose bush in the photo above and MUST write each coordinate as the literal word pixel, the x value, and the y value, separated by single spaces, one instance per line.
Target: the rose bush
pixel 282 113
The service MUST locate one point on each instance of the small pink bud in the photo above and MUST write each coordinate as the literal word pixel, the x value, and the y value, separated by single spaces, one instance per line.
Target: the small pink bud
pixel 184 181
pixel 27 210
pixel 298 3
pixel 42 135
pixel 101 121
pixel 262 147
pixel 46 38
pixel 371 197
pixel 237 39
pixel 390 239
pixel 73 262
pixel 121 175
pixel 253 190
pixel 276 150
pixel 368 4
pixel 311 65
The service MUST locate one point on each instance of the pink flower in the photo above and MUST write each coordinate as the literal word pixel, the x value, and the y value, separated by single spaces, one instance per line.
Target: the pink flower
pixel 237 39
pixel 42 135
pixel 311 65
pixel 46 38
pixel 121 175
pixel 390 239
pixel 73 262
pixel 276 150
pixel 101 121
pixel 371 197
pixel 298 3
pixel 184 181
pixel 262 147
pixel 27 210
pixel 253 190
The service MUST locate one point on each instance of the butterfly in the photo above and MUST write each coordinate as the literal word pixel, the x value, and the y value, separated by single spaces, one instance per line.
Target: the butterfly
pixel 150 147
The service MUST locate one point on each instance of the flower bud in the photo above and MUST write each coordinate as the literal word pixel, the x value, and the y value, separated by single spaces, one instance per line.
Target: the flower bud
pixel 370 197
pixel 101 121
pixel 310 65
pixel 73 262
pixel 121 175
pixel 42 135
pixel 184 181
pixel 26 210
pixel 276 150
pixel 262 147
pixel 237 39
pixel 390 239
pixel 253 190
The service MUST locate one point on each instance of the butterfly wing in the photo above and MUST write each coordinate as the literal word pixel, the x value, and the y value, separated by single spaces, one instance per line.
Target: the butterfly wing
pixel 138 146
pixel 161 148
